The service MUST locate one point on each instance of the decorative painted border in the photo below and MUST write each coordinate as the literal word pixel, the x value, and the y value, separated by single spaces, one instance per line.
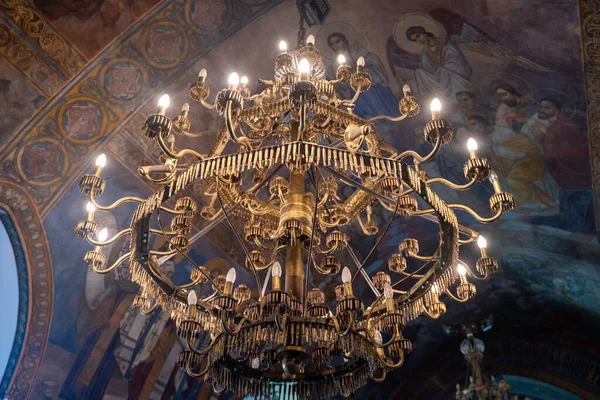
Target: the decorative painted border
pixel 116 84
pixel 7 221
pixel 30 229
pixel 589 14
pixel 65 58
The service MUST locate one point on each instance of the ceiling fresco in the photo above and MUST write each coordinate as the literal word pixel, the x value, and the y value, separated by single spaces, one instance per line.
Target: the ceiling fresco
pixel 78 78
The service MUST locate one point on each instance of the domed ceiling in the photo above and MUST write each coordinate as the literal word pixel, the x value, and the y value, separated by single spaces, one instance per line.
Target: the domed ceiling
pixel 78 79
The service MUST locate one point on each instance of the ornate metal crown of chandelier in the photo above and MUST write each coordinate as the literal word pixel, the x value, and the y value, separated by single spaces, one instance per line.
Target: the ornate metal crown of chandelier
pixel 295 142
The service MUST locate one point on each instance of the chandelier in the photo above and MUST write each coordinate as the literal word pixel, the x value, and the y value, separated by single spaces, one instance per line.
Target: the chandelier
pixel 479 385
pixel 295 144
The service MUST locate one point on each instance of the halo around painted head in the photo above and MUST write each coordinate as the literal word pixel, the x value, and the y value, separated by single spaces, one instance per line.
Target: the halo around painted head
pixel 416 19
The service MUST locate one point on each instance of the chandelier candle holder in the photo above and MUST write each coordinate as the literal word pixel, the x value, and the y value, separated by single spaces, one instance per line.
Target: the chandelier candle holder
pixel 295 146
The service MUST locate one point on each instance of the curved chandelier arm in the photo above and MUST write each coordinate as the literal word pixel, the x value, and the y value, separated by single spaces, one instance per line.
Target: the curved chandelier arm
pixel 207 349
pixel 430 315
pixel 419 158
pixel 382 345
pixel 423 258
pixel 191 284
pixel 95 242
pixel 127 199
pixel 171 154
pixel 230 126
pixel 235 330
pixel 114 265
pixel 280 324
pixel 159 232
pixel 475 215
pixel 395 365
pixel 162 253
pixel 151 309
pixel 207 104
pixel 338 328
pixel 381 378
pixel 196 374
pixel 452 185
pixel 455 298
pixel 471 274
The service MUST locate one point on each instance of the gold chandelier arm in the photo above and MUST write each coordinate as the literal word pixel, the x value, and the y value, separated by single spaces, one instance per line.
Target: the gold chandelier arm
pixel 117 203
pixel 381 378
pixel 452 185
pixel 423 258
pixel 338 329
pixel 114 265
pixel 185 152
pixel 162 253
pixel 388 118
pixel 207 104
pixel 191 284
pixel 453 297
pixel 418 158
pixel 124 232
pixel 432 316
pixel 395 365
pixel 372 339
pixel 206 350
pixel 477 216
pixel 471 274
pixel 151 309
pixel 196 374
pixel 158 231
pixel 280 324
pixel 236 330
pixel 230 126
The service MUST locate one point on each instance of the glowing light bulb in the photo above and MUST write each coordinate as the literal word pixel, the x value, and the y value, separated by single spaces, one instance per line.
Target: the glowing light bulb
pixel 230 276
pixel 377 338
pixel 495 182
pixel 233 81
pixel 471 144
pixel 282 46
pixel 90 207
pixel 341 59
pixel 101 160
pixel 192 298
pixel 203 73
pixel 436 108
pixel 304 69
pixel 310 40
pixel 103 235
pixel 346 275
pixel 481 242
pixel 360 62
pixel 461 269
pixel 388 293
pixel 244 80
pixel 276 270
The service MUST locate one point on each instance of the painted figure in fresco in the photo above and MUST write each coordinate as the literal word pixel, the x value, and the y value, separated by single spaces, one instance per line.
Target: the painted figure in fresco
pixel 468 106
pixel 566 152
pixel 515 158
pixel 341 38
pixel 427 49
pixel 515 110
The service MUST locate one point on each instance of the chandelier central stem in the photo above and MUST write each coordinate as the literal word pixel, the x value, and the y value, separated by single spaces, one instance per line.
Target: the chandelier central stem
pixel 294 270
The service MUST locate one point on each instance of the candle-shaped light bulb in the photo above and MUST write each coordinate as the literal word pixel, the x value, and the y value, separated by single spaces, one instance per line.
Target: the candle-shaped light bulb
pixel 482 243
pixel 472 146
pixel 163 104
pixel 436 108
pixel 360 64
pixel 347 279
pixel 282 46
pixel 233 81
pixel 462 273
pixel 406 90
pixel 304 69
pixel 341 59
pixel 203 74
pixel 495 182
pixel 377 338
pixel 192 298
pixel 388 293
pixel 244 81
pixel 90 208
pixel 310 40
pixel 229 280
pixel 102 235
pixel 100 163
pixel 276 275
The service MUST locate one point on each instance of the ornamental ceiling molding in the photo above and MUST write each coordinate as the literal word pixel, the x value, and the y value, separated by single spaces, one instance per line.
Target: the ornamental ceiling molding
pixel 40 283
pixel 589 12
pixel 53 148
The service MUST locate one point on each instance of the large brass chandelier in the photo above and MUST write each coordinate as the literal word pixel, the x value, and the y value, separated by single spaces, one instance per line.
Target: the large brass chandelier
pixel 294 143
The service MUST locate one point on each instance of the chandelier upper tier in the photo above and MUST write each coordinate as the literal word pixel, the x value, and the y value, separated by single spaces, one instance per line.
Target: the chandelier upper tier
pixel 296 143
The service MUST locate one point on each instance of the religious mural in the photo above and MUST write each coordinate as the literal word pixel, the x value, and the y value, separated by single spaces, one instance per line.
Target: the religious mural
pixel 508 74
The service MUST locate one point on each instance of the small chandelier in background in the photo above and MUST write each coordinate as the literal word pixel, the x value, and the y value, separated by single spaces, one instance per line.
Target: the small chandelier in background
pixel 480 386
pixel 294 144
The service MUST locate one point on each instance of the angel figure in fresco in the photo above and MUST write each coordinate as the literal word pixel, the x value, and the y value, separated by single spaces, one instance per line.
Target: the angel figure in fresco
pixel 428 50
pixel 341 38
